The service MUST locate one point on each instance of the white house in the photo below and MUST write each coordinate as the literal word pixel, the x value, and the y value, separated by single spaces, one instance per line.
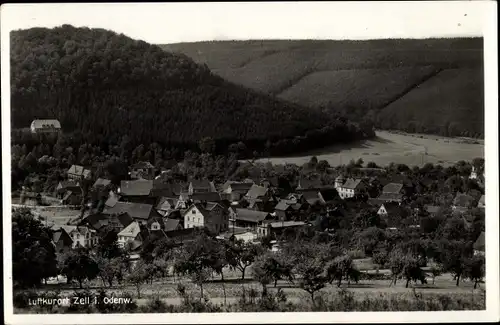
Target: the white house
pixel 211 216
pixel 128 234
pixel 82 236
pixel 349 188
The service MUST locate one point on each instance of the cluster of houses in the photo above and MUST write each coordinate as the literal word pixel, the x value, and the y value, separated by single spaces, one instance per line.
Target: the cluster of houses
pixel 147 208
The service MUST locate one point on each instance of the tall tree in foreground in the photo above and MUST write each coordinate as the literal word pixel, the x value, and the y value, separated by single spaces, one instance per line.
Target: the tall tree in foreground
pixel 33 255
pixel 240 255
pixel 80 265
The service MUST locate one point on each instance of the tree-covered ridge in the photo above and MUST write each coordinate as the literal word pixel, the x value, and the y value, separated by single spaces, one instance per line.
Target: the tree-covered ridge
pixel 104 86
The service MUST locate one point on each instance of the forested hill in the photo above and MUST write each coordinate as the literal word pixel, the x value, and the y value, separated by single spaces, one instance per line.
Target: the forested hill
pixel 103 86
pixel 414 85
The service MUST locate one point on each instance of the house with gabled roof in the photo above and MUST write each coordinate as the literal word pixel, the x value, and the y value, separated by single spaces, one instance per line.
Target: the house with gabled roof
pixel 258 193
pixel 166 205
pixel 212 217
pixel 65 186
pixel 313 198
pixel 205 197
pixel 393 213
pixel 284 210
pixel 81 236
pixel 201 186
pixel 62 240
pixel 77 172
pixel 142 170
pixel 128 234
pixel 247 218
pixel 137 191
pixel 234 191
pixel 348 188
pixel 392 192
pixel 140 212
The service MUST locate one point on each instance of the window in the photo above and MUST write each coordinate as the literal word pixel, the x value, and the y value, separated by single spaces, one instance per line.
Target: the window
pixel 193 212
pixel 188 218
pixel 77 236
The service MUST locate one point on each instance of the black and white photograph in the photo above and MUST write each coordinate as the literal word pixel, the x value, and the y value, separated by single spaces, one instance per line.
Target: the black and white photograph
pixel 250 162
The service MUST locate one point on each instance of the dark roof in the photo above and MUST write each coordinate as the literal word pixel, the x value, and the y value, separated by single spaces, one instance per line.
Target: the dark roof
pixel 241 188
pixel 202 184
pixel 250 215
pixel 136 188
pixel 61 234
pixel 180 233
pixel 312 197
pixel 256 191
pixel 205 197
pixel 463 200
pixel 393 208
pixel 102 182
pixel 352 183
pixel 392 188
pixel 164 202
pixel 171 224
pixel 328 194
pixel 388 197
pixel 135 210
pixel 143 165
pixel 479 245
pixel 211 205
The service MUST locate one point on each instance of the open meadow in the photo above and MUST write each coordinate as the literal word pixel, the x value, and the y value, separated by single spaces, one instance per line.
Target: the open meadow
pixel 389 147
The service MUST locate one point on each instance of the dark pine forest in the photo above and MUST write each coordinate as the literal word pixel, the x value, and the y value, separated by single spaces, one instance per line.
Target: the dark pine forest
pixel 104 87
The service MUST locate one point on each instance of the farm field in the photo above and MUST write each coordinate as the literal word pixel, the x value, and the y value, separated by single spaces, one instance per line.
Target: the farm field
pixel 54 215
pixel 398 148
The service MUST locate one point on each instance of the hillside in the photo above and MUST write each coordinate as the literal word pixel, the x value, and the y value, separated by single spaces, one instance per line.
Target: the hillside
pixel 357 79
pixel 104 86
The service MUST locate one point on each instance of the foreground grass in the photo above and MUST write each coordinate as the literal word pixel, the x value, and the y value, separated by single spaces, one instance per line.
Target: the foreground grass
pixel 373 295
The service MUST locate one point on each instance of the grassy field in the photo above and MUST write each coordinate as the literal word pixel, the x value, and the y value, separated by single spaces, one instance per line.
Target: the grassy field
pixel 398 148
pixel 166 289
pixel 55 215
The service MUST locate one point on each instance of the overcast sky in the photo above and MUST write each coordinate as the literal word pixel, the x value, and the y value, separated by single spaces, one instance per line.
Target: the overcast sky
pixel 189 22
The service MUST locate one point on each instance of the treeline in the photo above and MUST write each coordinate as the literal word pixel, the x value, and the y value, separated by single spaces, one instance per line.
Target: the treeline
pixel 102 86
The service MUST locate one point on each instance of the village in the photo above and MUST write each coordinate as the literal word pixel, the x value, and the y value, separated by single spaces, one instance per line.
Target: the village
pixel 146 207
